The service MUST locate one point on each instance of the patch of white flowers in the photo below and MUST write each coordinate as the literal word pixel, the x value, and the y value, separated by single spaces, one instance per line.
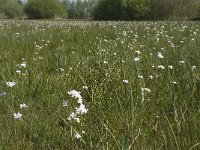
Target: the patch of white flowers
pixel 17 115
pixel 78 110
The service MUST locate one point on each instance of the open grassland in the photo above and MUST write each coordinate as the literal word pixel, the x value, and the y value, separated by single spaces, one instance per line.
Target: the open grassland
pixel 99 85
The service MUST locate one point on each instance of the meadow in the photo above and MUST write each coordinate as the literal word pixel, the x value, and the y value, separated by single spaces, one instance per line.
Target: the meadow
pixel 99 85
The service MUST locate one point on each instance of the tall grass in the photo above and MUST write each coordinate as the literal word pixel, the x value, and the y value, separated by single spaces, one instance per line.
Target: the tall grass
pixel 139 81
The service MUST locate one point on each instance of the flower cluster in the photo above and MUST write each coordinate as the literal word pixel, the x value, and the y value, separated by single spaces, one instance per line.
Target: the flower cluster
pixel 78 110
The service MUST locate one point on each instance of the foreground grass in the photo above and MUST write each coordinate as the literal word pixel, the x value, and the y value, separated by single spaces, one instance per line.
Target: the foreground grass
pixel 139 82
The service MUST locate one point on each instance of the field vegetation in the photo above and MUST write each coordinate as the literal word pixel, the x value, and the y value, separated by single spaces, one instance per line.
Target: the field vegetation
pixel 99 85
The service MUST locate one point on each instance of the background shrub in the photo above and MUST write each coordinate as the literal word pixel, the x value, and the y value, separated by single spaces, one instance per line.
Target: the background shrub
pixel 11 9
pixel 44 9
pixel 107 10
pixel 135 9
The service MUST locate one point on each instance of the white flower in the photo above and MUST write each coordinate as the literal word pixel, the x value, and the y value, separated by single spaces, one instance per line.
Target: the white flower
pixel 17 115
pixel 194 68
pixel 76 94
pixel 73 116
pixel 160 55
pixel 138 52
pixel 151 77
pixel 146 89
pixel 23 64
pixel 174 82
pixel 10 84
pixel 83 132
pixel 18 71
pixel 61 70
pixel 23 106
pixel 81 109
pixel 85 87
pixel 170 67
pixel 65 103
pixel 161 67
pixel 125 81
pixel 137 59
pixel 182 62
pixel 77 135
pixel 140 77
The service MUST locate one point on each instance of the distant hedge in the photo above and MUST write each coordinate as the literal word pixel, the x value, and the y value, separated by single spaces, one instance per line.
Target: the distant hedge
pixel 44 9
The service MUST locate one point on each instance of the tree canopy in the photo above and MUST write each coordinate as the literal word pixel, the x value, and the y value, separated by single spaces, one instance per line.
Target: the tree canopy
pixel 102 9
pixel 11 9
pixel 145 9
pixel 44 9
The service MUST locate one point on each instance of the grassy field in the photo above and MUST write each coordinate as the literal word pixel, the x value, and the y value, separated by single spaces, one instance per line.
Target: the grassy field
pixel 99 85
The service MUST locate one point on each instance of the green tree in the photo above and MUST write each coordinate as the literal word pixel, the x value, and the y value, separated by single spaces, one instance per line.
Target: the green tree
pixel 44 9
pixel 11 8
pixel 135 9
pixel 107 10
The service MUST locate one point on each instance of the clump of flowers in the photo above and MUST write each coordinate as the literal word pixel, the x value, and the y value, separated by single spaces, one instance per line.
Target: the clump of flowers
pixel 78 110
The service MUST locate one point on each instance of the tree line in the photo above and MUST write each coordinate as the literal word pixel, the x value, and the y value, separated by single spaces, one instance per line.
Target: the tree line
pixel 146 10
pixel 102 9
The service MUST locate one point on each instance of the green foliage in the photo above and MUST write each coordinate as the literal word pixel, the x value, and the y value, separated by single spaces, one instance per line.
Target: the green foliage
pixel 11 9
pixel 174 9
pixel 135 9
pixel 44 9
pixel 145 9
pixel 107 10
pixel 121 10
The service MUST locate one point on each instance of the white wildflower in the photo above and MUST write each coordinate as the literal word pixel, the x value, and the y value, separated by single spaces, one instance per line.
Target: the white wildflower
pixel 160 55
pixel 17 115
pixel 174 82
pixel 137 59
pixel 23 106
pixel 83 132
pixel 73 116
pixel 76 94
pixel 138 52
pixel 18 71
pixel 23 64
pixel 140 77
pixel 146 89
pixel 81 110
pixel 151 77
pixel 161 67
pixel 125 81
pixel 85 87
pixel 194 68
pixel 10 84
pixel 170 67
pixel 182 62
pixel 61 70
pixel 77 135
